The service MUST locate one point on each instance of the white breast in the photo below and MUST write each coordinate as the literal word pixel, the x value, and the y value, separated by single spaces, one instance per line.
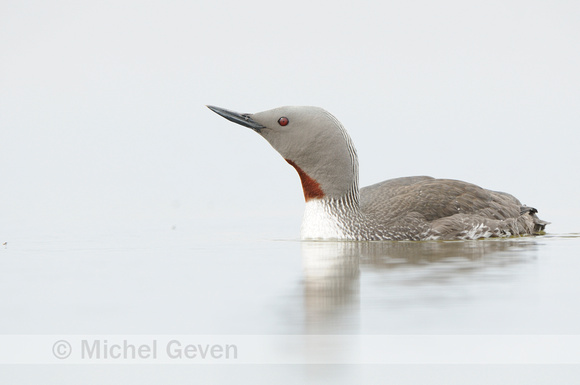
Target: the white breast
pixel 320 223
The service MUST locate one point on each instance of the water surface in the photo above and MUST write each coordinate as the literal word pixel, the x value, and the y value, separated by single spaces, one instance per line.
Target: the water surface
pixel 186 281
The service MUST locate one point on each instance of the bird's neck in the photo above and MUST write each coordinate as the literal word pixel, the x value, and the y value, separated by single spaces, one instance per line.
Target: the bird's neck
pixel 310 187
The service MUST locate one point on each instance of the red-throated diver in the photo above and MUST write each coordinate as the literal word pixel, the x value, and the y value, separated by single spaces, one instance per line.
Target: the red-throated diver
pixel 410 208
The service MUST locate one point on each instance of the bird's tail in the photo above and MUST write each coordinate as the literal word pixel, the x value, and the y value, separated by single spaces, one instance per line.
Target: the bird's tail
pixel 539 225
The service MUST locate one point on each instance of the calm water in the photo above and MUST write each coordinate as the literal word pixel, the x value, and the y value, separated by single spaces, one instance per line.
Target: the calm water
pixel 188 280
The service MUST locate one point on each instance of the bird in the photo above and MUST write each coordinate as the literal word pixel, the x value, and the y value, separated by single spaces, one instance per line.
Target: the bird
pixel 416 208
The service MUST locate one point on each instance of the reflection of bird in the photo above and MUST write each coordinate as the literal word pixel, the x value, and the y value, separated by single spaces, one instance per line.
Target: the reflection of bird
pixel 412 208
pixel 331 285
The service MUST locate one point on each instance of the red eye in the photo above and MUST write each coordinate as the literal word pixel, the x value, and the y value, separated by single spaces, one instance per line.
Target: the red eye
pixel 283 121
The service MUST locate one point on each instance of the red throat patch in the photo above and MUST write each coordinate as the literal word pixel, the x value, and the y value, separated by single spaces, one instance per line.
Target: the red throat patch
pixel 310 186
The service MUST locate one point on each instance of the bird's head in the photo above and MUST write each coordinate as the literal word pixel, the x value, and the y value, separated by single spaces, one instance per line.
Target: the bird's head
pixel 311 140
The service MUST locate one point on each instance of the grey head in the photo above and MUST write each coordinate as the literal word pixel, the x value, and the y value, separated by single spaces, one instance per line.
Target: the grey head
pixel 311 140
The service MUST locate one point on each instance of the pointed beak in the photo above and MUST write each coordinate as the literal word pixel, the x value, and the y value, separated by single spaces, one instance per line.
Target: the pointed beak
pixel 242 119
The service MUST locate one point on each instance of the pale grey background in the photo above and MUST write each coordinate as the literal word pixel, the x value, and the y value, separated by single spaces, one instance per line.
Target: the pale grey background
pixel 102 117
pixel 127 206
